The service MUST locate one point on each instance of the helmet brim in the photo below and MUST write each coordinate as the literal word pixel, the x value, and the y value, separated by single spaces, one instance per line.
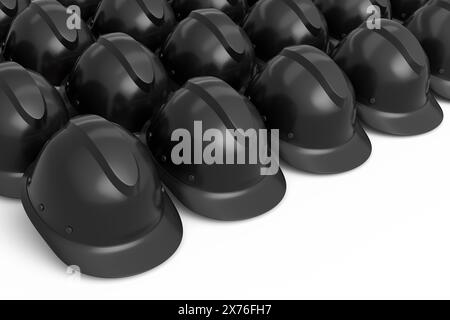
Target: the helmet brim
pixel 420 121
pixel 10 184
pixel 329 161
pixel 146 251
pixel 242 204
pixel 441 87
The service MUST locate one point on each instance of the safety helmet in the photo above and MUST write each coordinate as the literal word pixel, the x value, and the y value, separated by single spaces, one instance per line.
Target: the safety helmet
pixel 343 16
pixel 95 197
pixel 87 7
pixel 223 189
pixel 305 95
pixel 235 9
pixel 209 43
pixel 403 9
pixel 31 111
pixel 149 22
pixel 431 26
pixel 391 76
pixel 119 79
pixel 8 11
pixel 285 23
pixel 40 39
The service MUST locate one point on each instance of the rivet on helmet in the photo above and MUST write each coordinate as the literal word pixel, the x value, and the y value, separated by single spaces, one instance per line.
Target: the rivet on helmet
pixel 305 95
pixel 391 76
pixel 95 197
pixel 223 191
pixel 431 25
pixel 31 111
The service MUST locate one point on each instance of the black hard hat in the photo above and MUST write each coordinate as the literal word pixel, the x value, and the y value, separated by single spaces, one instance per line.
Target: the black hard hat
pixel 285 23
pixel 149 22
pixel 343 16
pixel 40 39
pixel 87 7
pixel 391 76
pixel 235 9
pixel 305 95
pixel 403 9
pixel 9 9
pixel 95 197
pixel 119 79
pixel 219 191
pixel 431 25
pixel 31 111
pixel 209 43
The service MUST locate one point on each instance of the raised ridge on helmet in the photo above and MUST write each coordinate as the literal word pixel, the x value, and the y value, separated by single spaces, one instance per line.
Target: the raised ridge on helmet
pixel 30 104
pixel 137 69
pixel 58 24
pixel 334 83
pixel 154 10
pixel 215 22
pixel 312 23
pixel 111 150
pixel 9 7
pixel 442 4
pixel 236 115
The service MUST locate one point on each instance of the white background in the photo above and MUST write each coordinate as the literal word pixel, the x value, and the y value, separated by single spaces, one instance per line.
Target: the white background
pixel 381 231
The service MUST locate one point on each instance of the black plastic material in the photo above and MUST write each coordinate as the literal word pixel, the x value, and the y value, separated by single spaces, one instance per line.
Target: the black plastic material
pixel 95 197
pixel 218 191
pixel 305 95
pixel 252 2
pixel 431 26
pixel 343 16
pixel 9 9
pixel 87 7
pixel 31 111
pixel 209 43
pixel 403 9
pixel 148 21
pixel 391 76
pixel 40 39
pixel 235 9
pixel 285 23
pixel 119 79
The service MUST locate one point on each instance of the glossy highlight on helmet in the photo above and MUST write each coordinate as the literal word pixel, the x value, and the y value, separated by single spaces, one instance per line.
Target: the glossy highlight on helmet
pixel 96 199
pixel 305 95
pixel 391 76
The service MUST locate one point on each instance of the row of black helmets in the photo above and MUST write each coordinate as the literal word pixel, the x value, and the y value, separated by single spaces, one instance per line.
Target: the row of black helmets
pixel 88 107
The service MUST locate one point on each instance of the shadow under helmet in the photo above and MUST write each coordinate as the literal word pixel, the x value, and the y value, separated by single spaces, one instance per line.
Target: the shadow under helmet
pixel 343 16
pixel 119 79
pixel 220 189
pixel 40 40
pixel 149 22
pixel 31 111
pixel 209 43
pixel 403 9
pixel 275 24
pixel 235 9
pixel 95 197
pixel 8 12
pixel 391 76
pixel 305 95
pixel 431 26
